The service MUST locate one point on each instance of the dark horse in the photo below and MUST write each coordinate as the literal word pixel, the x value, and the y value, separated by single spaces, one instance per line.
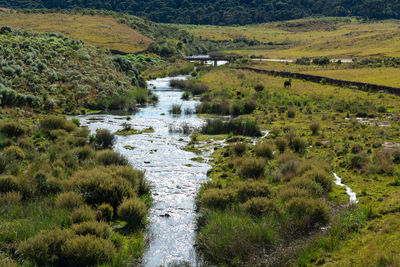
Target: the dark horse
pixel 287 84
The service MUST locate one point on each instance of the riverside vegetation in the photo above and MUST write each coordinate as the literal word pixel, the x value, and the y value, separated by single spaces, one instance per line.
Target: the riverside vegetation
pixel 274 202
pixel 66 198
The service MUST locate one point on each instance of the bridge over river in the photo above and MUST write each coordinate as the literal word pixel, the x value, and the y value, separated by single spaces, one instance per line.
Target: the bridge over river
pixel 215 60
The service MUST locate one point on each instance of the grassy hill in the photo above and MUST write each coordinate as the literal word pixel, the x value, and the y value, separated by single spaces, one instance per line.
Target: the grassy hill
pixel 96 30
pixel 333 37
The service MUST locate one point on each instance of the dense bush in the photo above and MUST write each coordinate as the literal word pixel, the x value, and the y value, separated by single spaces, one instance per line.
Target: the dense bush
pixel 322 178
pixel 69 200
pixel 264 149
pixel 308 212
pixel 228 238
pixel 251 167
pixel 109 157
pixel 281 144
pixel 12 129
pixel 288 192
pixel 308 184
pixel 315 127
pixel 260 206
pixel 99 186
pixel 45 248
pixel 9 183
pixel 87 251
pixel 83 214
pixel 53 122
pixel 239 148
pixel 133 211
pixel 246 190
pixel 99 229
pixel 217 198
pixel 104 138
pixel 12 153
pixel 107 212
pixel 190 86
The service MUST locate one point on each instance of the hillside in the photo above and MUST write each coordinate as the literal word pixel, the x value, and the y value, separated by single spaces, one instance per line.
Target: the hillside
pixel 99 31
pixel 223 12
pixel 333 37
pixel 109 29
pixel 53 72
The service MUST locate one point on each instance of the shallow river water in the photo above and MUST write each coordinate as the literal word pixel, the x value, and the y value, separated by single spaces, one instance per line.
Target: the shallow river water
pixel 174 177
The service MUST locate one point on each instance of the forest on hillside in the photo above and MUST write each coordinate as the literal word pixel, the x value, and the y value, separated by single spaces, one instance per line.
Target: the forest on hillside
pixel 226 12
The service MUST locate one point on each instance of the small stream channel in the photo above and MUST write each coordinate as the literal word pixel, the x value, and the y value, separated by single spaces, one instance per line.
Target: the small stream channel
pixel 174 177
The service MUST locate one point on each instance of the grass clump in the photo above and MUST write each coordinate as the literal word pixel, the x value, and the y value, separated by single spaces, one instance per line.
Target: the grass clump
pixel 54 122
pixel 12 129
pixel 229 238
pixel 10 198
pixel 251 167
pixel 110 157
pixel 87 251
pixel 239 148
pixel 104 138
pixel 315 127
pixel 244 127
pixel 175 109
pixel 98 229
pixel 9 183
pixel 308 212
pixel 83 214
pixel 260 206
pixel 133 211
pixel 264 149
pixel 107 211
pixel 217 198
pixel 69 200
pixel 100 186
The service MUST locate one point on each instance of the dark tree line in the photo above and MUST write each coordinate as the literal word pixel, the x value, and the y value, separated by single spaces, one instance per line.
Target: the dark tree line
pixel 226 12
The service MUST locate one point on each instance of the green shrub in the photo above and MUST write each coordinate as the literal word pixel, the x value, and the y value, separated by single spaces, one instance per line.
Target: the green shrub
pixel 307 184
pixel 12 129
pixel 107 212
pixel 53 122
pixel 246 190
pixel 308 212
pixel 110 157
pixel 84 153
pixel 133 211
pixel 82 251
pixel 239 148
pixel 230 239
pixel 104 138
pixel 251 168
pixel 357 161
pixel 9 183
pixel 299 145
pixel 135 177
pixel 217 198
pixel 99 229
pixel 260 206
pixel 45 248
pixel 315 127
pixel 322 178
pixel 289 192
pixel 83 214
pixel 281 144
pixel 185 95
pixel 69 200
pixel 98 186
pixel 264 149
pixel 13 153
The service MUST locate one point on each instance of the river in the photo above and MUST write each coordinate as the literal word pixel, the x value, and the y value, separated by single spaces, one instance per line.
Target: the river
pixel 174 177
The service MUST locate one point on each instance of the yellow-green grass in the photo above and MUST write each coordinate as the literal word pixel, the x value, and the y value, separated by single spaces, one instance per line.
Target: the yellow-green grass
pixel 312 37
pixel 382 76
pixel 100 31
pixel 378 240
